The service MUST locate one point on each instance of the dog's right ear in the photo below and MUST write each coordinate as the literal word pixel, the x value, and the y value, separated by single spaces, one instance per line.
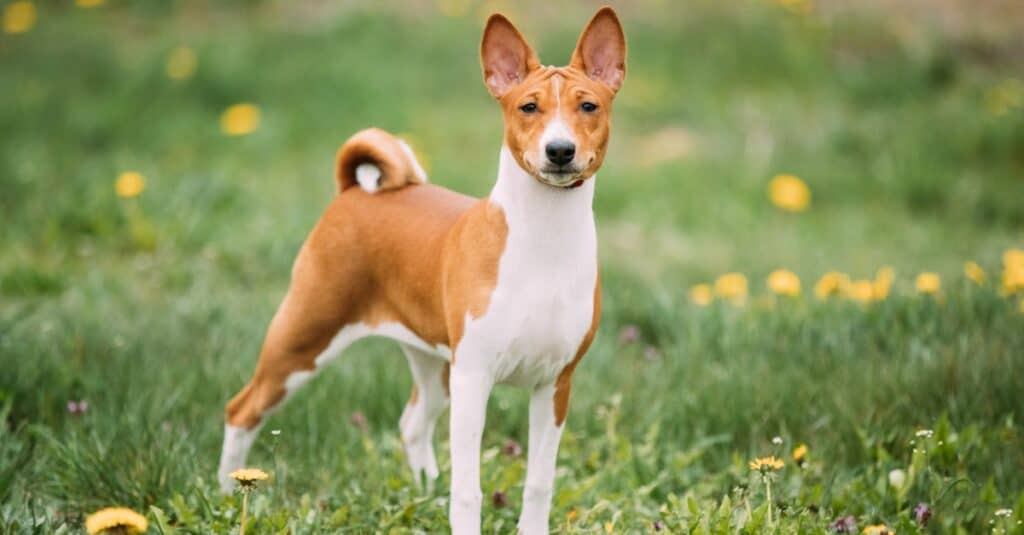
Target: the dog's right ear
pixel 505 56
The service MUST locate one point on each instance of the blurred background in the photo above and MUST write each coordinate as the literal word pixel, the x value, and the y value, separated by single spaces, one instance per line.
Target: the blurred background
pixel 161 163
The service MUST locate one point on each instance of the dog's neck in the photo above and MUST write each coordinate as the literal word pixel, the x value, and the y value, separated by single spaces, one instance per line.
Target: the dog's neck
pixel 549 225
pixel 542 209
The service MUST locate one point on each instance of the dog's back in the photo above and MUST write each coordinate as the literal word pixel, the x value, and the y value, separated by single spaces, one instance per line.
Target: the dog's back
pixel 392 242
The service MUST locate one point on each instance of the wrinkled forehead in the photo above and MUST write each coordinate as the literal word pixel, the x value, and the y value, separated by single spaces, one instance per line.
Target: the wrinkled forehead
pixel 546 81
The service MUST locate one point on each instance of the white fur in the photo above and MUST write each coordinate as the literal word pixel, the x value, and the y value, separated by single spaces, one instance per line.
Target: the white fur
pixel 349 335
pixel 537 317
pixel 546 279
pixel 556 129
pixel 538 314
pixel 420 418
pixel 368 176
pixel 238 441
pixel 540 462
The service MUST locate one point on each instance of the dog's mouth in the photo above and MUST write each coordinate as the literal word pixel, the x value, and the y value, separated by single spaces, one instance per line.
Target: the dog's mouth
pixel 561 176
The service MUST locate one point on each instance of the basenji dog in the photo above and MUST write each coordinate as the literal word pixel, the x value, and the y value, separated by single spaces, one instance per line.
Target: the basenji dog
pixel 477 292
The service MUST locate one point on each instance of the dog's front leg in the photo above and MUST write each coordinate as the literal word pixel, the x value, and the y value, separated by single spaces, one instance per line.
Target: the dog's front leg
pixel 545 433
pixel 470 390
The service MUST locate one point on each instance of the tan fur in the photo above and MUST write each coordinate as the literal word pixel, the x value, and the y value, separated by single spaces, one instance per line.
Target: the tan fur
pixel 380 148
pixel 593 75
pixel 601 50
pixel 471 266
pixel 371 258
pixel 591 129
pixel 421 255
pixel 563 385
pixel 396 257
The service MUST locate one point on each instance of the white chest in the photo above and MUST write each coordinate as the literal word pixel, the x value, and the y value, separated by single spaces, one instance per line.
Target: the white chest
pixel 542 305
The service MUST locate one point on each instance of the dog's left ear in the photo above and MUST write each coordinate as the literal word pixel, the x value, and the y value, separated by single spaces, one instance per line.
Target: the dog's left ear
pixel 601 50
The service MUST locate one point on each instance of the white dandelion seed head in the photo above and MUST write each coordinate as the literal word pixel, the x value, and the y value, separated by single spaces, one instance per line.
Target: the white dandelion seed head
pixel 777 441
pixel 897 478
pixel 275 432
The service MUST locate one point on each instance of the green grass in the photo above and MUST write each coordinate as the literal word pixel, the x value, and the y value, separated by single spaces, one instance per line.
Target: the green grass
pixel 153 309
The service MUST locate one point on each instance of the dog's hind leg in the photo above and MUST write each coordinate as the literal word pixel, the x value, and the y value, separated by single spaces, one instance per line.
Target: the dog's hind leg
pixel 428 400
pixel 308 330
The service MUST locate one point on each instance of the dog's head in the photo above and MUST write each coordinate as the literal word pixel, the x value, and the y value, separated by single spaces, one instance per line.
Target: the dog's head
pixel 557 119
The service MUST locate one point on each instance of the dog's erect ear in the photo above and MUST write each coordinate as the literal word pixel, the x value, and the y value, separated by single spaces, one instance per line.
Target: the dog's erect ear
pixel 505 56
pixel 601 50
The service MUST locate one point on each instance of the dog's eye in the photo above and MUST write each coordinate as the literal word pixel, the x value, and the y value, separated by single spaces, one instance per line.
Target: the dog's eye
pixel 529 107
pixel 588 107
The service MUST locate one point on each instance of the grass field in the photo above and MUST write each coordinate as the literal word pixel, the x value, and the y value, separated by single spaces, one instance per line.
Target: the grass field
pixel 151 308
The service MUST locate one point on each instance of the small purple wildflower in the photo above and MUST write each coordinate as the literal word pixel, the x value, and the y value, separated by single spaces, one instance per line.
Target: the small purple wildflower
pixel 846 524
pixel 922 514
pixel 511 448
pixel 358 419
pixel 78 407
pixel 629 334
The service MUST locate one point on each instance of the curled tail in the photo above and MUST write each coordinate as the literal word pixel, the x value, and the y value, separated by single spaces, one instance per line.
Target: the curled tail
pixel 376 161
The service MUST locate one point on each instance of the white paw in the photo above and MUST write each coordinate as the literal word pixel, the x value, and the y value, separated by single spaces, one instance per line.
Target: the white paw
pixel 533 526
pixel 227 484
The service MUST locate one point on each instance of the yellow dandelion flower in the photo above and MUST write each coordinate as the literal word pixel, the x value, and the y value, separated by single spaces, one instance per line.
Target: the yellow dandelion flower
pixel 129 184
pixel 974 272
pixel 765 464
pixel 19 17
pixel 800 454
pixel 862 290
pixel 877 529
pixel 928 283
pixel 784 282
pixel 1013 257
pixel 732 286
pixel 240 119
pixel 883 283
pixel 571 515
pixel 122 519
pixel 181 63
pixel 88 3
pixel 1013 279
pixel 1013 271
pixel 830 284
pixel 249 476
pixel 701 295
pixel 609 527
pixel 789 193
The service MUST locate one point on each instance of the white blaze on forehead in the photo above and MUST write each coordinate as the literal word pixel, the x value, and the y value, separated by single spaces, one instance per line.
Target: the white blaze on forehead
pixel 556 129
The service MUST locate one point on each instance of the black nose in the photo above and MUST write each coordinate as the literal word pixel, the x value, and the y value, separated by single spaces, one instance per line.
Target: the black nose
pixel 560 152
